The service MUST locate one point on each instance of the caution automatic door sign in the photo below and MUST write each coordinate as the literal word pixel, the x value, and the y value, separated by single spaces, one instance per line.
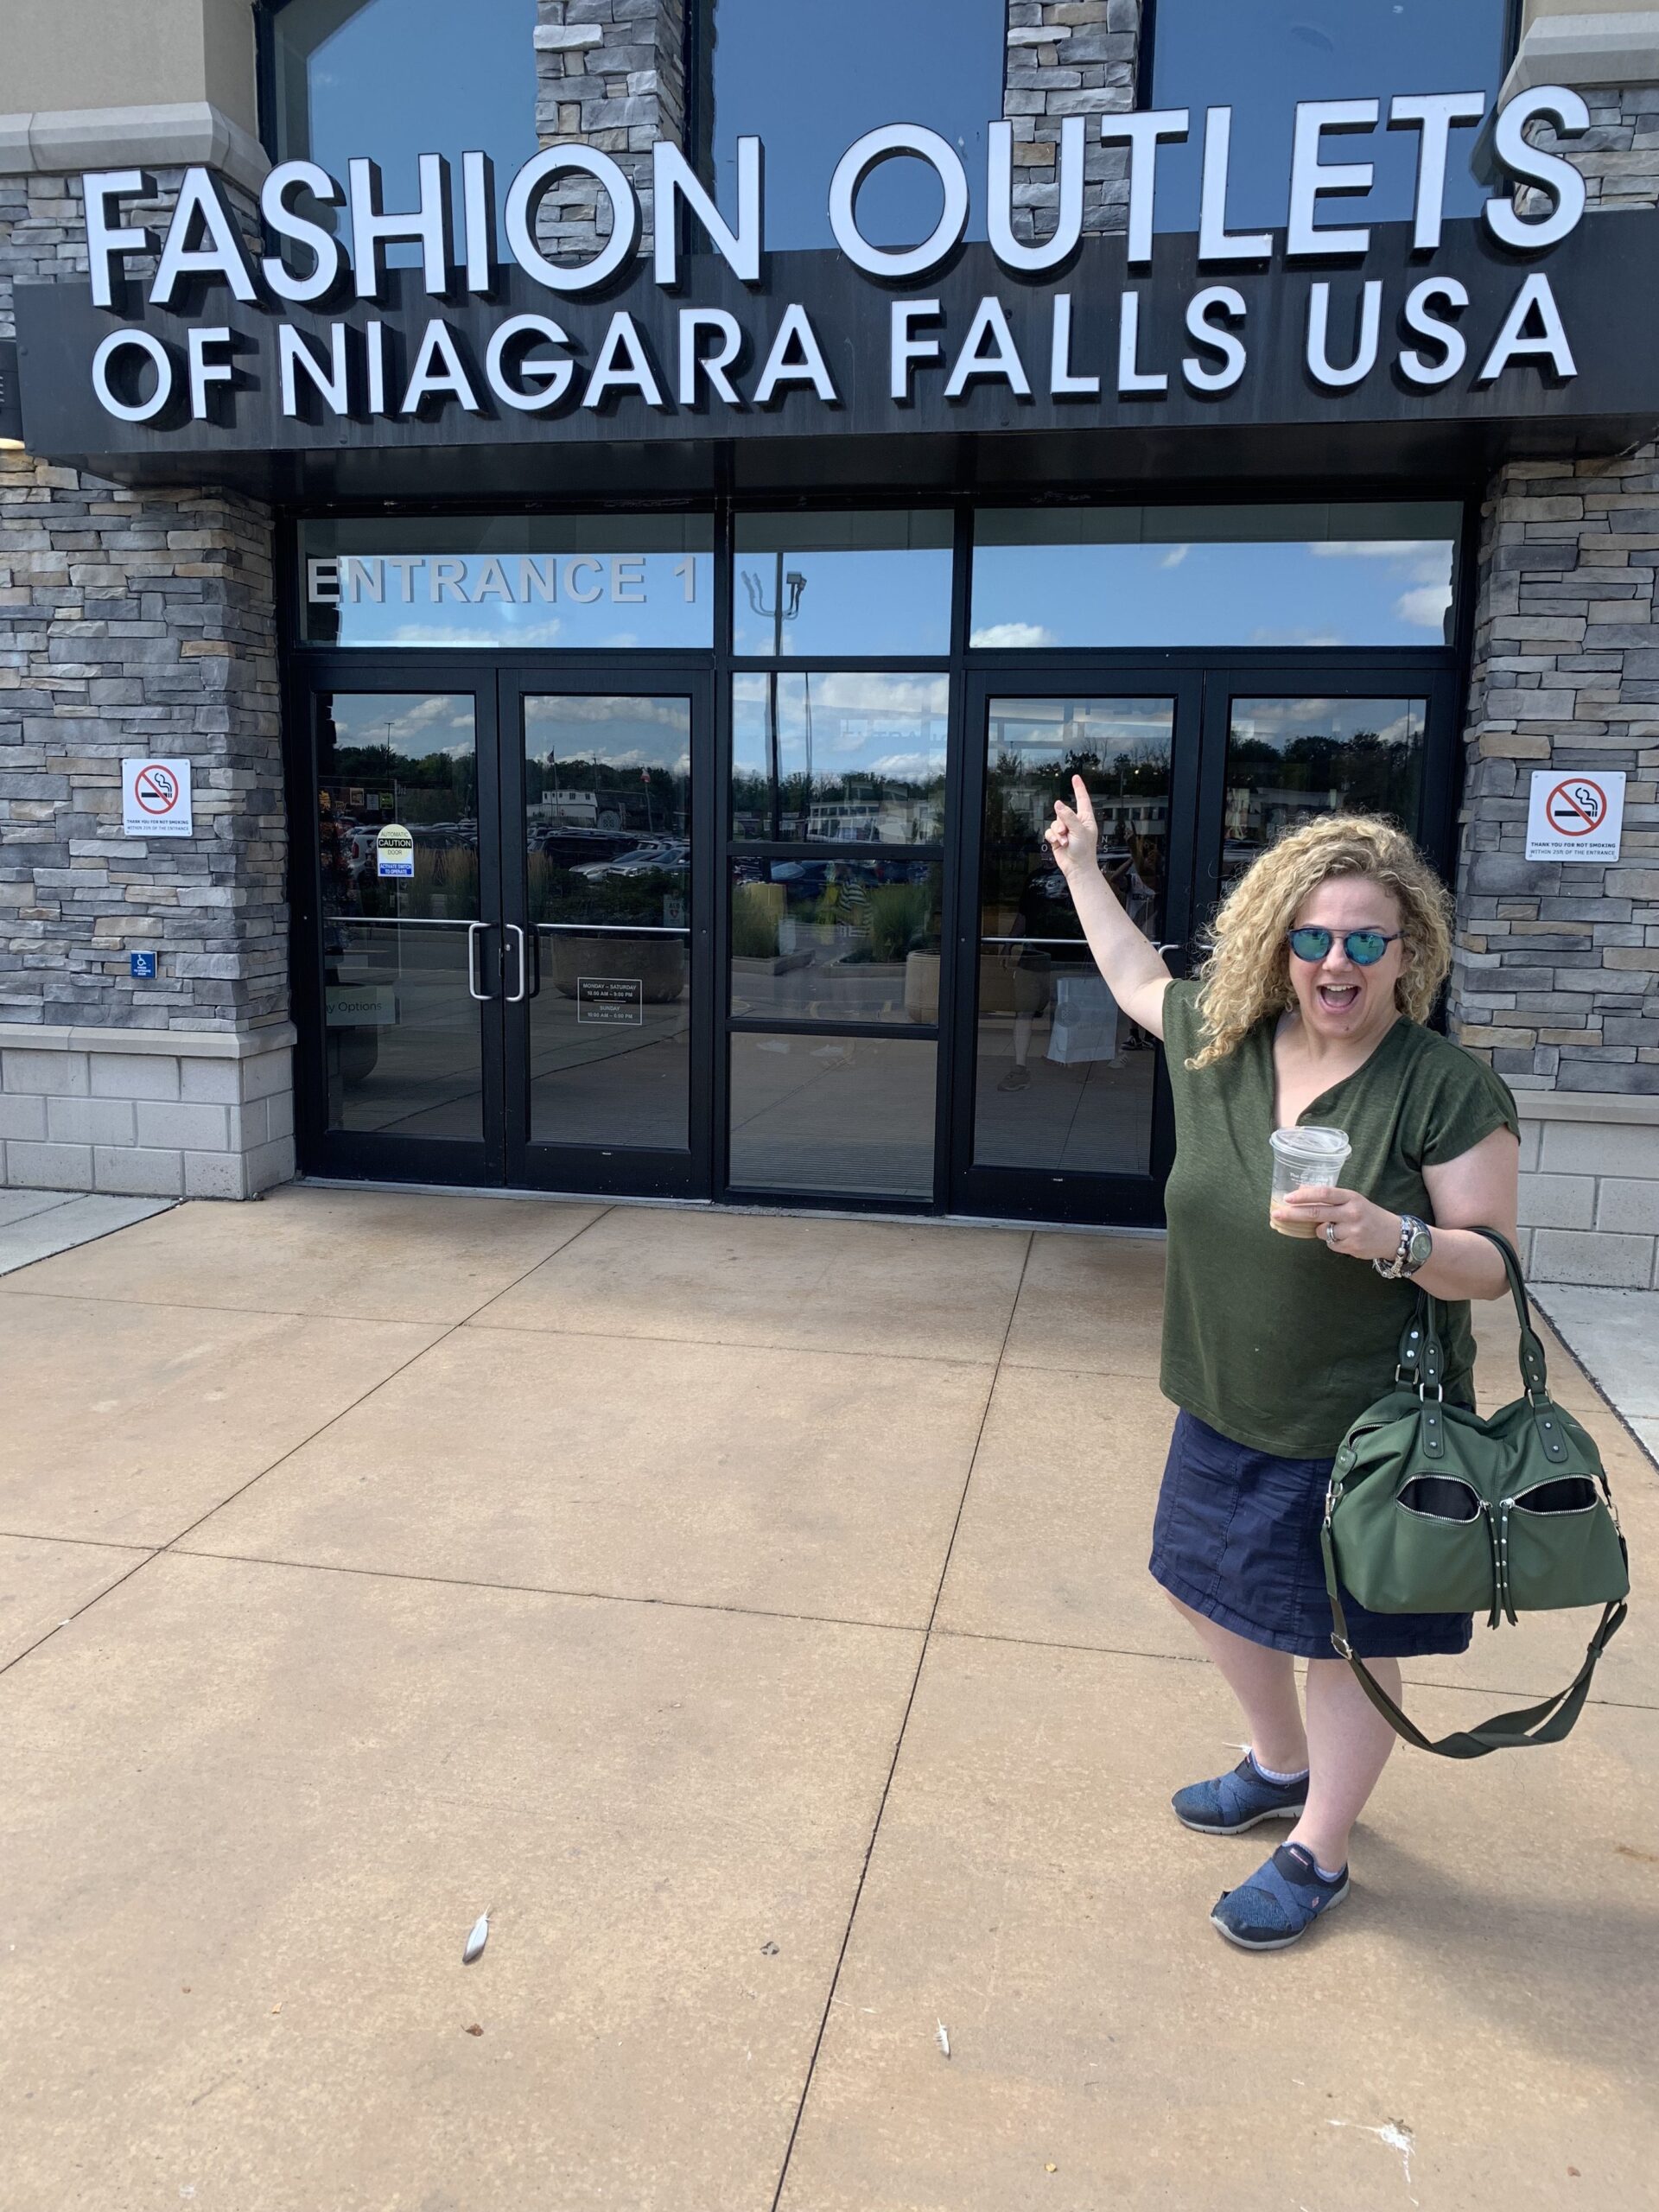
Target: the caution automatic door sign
pixel 394 851
pixel 1576 818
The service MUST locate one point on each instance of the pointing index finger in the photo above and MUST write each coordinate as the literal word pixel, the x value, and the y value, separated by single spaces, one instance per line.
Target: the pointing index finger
pixel 1085 804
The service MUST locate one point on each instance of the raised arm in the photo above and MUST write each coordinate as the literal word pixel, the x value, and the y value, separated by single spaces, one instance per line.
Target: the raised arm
pixel 1134 969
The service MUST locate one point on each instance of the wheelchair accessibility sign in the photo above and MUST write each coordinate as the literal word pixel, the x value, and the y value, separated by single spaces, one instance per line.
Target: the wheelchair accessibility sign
pixel 1576 818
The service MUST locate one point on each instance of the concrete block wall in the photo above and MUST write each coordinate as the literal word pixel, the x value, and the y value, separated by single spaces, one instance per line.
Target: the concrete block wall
pixel 1590 1199
pixel 149 1113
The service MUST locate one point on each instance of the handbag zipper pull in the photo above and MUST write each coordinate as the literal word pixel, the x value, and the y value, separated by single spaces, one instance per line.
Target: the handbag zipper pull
pixel 1510 1614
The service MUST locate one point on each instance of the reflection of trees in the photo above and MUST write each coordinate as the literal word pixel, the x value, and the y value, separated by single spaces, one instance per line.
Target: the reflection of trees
pixel 1022 785
pixel 1368 772
pixel 429 786
pixel 644 795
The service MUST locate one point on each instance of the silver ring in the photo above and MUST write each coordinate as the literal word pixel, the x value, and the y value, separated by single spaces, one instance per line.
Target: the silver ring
pixel 1331 1234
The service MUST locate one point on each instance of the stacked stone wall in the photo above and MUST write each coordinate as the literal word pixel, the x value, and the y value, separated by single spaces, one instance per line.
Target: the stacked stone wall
pixel 1069 57
pixel 610 74
pixel 1619 153
pixel 134 623
pixel 1556 979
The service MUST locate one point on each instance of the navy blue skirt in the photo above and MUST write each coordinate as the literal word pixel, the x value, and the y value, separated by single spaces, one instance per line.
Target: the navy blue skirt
pixel 1237 1539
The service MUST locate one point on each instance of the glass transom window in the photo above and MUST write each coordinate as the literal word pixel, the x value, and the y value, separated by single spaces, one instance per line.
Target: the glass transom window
pixel 395 78
pixel 594 583
pixel 1377 573
pixel 811 76
pixel 1261 57
pixel 842 583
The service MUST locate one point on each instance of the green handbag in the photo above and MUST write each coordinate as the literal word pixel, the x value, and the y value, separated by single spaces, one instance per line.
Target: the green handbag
pixel 1431 1509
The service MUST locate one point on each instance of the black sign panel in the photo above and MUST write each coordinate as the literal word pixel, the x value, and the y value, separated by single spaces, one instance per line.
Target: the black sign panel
pixel 612 1001
pixel 817 352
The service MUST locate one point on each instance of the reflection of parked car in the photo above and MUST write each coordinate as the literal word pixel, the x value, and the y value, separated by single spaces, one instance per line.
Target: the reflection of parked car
pixel 648 857
pixel 576 848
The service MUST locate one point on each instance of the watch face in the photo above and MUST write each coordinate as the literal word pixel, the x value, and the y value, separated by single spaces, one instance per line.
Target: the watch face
pixel 1421 1245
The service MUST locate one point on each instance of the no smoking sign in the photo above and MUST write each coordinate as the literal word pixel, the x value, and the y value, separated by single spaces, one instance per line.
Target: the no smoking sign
pixel 1576 818
pixel 156 800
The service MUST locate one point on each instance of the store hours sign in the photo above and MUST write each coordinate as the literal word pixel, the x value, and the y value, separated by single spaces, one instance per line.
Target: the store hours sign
pixel 201 339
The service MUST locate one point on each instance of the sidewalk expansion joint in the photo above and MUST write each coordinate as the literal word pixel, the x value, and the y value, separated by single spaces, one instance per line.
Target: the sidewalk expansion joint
pixel 898 1742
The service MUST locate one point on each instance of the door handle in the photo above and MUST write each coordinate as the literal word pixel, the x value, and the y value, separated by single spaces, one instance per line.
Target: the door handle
pixel 473 930
pixel 519 996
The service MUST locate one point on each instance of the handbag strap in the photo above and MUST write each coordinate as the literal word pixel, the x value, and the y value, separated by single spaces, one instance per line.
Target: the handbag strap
pixel 1547 1722
pixel 1533 1372
pixel 1422 1354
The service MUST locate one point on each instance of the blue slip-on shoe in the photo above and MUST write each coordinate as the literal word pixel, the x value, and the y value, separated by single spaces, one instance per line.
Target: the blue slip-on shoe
pixel 1280 1902
pixel 1229 1804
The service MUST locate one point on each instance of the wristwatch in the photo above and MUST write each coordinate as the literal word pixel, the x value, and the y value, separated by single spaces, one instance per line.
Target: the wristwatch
pixel 1415 1245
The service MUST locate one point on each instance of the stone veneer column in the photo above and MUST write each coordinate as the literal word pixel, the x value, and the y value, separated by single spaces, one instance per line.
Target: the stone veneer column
pixel 611 75
pixel 1069 57
pixel 1557 973
pixel 132 623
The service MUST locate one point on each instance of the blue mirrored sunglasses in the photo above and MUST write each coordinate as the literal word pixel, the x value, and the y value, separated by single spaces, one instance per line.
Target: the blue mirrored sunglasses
pixel 1363 947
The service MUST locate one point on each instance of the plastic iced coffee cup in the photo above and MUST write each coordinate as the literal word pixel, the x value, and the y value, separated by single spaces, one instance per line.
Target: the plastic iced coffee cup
pixel 1301 1156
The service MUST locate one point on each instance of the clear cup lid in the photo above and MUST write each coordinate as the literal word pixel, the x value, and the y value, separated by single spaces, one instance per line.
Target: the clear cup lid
pixel 1311 1143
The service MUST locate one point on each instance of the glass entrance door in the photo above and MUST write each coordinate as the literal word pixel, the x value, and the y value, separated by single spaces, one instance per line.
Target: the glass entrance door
pixel 1059 1107
pixel 606 990
pixel 399 999
pixel 1284 745
pixel 503 972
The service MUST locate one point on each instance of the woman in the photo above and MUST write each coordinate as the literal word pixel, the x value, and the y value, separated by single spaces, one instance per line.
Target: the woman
pixel 1327 957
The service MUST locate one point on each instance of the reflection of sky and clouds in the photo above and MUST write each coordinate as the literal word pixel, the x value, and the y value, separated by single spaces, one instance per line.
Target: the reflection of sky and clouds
pixel 412 725
pixel 800 77
pixel 1280 722
pixel 1037 734
pixel 847 734
pixel 363 77
pixel 845 583
pixel 1299 576
pixel 1262 58
pixel 626 735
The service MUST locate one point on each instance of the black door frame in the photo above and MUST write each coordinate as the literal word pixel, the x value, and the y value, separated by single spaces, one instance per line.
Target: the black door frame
pixel 1400 672
pixel 1437 672
pixel 1036 1194
pixel 617 1170
pixel 1203 682
pixel 364 1155
pixel 497 682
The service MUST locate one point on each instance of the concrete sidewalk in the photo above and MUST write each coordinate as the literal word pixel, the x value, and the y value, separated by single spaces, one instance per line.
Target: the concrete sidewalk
pixel 753 1613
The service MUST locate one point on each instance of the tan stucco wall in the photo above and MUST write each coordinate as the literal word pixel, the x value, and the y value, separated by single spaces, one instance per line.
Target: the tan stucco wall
pixel 65 55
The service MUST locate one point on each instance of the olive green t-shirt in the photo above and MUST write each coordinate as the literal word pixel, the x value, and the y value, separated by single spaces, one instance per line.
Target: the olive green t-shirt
pixel 1277 1341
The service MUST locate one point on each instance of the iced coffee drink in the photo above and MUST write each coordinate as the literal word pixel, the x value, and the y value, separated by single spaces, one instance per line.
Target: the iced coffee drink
pixel 1303 1156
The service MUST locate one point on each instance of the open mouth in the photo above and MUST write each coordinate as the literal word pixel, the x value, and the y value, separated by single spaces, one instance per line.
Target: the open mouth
pixel 1337 998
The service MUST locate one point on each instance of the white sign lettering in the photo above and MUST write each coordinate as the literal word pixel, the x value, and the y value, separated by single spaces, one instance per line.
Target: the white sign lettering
pixel 1355 331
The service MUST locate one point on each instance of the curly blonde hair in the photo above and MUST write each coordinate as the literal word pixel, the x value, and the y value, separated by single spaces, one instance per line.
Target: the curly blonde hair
pixel 1247 975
